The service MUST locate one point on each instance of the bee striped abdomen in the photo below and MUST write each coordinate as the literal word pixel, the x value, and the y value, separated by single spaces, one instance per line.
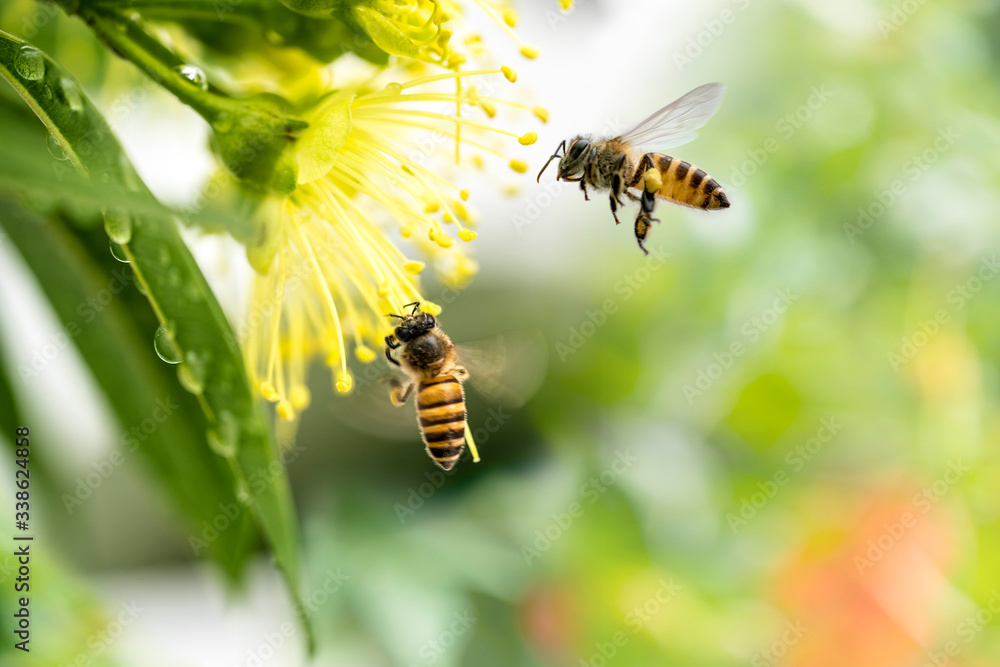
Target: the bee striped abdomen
pixel 441 414
pixel 686 184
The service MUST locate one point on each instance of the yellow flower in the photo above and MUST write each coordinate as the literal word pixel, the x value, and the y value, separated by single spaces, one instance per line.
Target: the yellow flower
pixel 328 272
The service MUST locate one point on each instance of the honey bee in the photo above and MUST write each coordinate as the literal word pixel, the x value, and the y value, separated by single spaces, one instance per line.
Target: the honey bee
pixel 618 165
pixel 428 356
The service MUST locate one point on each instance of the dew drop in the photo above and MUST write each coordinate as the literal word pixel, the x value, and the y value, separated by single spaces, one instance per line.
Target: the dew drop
pixel 243 492
pixel 191 373
pixel 129 175
pixel 223 122
pixel 30 63
pixel 274 37
pixel 194 75
pixel 173 277
pixel 166 349
pixel 55 150
pixel 223 436
pixel 393 88
pixel 119 253
pixel 118 225
pixel 71 94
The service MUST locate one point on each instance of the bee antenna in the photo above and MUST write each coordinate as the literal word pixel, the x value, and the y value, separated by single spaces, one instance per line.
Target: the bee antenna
pixel 560 147
pixel 394 315
pixel 415 304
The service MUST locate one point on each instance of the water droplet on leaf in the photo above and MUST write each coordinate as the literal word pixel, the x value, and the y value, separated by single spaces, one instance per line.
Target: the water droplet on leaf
pixel 166 349
pixel 191 373
pixel 71 94
pixel 223 122
pixel 174 277
pixel 243 493
pixel 55 150
pixel 222 437
pixel 118 225
pixel 194 75
pixel 30 63
pixel 118 253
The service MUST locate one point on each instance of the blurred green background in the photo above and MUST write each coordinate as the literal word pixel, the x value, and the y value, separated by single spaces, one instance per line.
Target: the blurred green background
pixel 771 442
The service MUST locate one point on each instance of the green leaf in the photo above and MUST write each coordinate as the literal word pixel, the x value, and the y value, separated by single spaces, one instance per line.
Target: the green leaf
pixel 139 388
pixel 212 366
pixel 320 143
pixel 384 33
pixel 10 413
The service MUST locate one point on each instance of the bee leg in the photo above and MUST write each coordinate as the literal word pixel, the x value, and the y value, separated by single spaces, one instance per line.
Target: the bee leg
pixel 643 222
pixel 583 186
pixel 399 393
pixel 391 344
pixel 616 185
pixel 460 373
pixel 645 164
pixel 614 210
pixel 648 203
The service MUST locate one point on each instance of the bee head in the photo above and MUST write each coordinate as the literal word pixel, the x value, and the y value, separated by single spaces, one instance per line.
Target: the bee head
pixel 414 325
pixel 572 161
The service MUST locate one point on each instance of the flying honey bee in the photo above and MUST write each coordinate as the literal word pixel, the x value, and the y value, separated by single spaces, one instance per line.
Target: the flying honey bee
pixel 618 165
pixel 428 356
pixel 508 368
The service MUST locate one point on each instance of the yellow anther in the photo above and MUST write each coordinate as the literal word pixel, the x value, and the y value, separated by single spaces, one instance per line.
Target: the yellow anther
pixel 478 162
pixel 455 59
pixel 464 194
pixel 414 267
pixel 406 231
pixel 509 73
pixel 344 383
pixel 430 307
pixel 488 107
pixel 285 410
pixel 365 354
pixel 268 392
pixel 542 113
pixel 444 240
pixel 520 166
pixel 432 207
pixel 466 235
pixel 510 17
pixel 448 217
pixel 529 52
pixel 528 139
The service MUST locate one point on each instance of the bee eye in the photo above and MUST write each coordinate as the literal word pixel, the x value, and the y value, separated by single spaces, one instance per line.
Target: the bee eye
pixel 578 147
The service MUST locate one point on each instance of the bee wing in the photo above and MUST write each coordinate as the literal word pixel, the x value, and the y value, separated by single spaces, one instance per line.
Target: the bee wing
pixel 675 124
pixel 368 408
pixel 506 368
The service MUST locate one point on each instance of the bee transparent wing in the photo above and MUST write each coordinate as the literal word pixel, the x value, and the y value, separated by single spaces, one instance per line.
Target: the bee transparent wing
pixel 675 124
pixel 507 368
pixel 369 410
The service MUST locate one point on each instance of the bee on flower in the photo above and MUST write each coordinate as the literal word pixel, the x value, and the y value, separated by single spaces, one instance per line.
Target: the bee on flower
pixel 327 261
